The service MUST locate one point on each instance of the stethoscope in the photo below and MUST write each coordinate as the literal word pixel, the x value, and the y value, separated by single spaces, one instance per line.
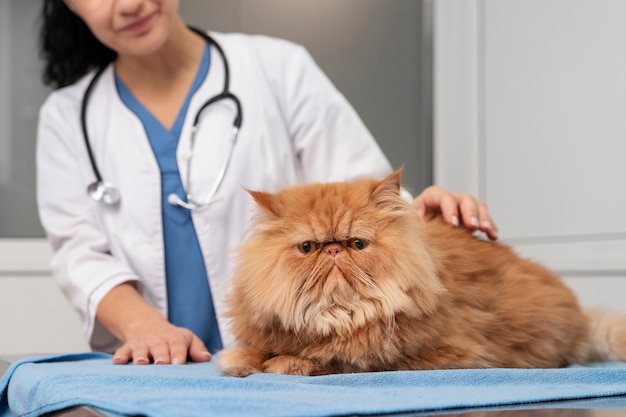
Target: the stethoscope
pixel 107 193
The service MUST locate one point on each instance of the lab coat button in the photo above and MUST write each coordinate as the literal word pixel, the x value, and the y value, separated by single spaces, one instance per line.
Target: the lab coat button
pixel 185 155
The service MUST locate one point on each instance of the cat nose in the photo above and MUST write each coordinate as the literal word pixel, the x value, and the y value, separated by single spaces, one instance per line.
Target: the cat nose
pixel 332 250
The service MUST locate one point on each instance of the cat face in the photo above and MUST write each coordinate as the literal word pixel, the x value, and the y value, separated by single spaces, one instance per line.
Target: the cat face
pixel 328 259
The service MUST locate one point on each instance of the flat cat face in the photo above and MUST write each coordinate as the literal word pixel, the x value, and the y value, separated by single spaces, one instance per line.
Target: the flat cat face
pixel 328 259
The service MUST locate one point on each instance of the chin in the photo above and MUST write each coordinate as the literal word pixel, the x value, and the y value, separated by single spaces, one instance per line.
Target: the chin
pixel 149 40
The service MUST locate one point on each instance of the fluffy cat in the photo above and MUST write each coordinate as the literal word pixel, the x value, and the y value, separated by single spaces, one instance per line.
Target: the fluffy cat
pixel 345 277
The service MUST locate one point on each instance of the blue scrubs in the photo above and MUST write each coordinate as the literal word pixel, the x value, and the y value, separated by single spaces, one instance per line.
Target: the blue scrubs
pixel 188 293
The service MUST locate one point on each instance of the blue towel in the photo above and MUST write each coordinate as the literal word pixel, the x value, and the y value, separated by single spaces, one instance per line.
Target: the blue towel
pixel 39 385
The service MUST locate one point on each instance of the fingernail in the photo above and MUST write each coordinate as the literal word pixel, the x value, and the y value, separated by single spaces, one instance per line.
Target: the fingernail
pixel 141 360
pixel 159 361
pixel 175 361
pixel 486 224
pixel 118 360
pixel 474 221
pixel 455 220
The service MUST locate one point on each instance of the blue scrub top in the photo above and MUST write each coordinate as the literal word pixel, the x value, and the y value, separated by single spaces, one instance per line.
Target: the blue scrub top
pixel 190 303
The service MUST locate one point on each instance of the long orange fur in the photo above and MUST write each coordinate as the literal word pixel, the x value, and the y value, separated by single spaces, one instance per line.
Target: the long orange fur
pixel 420 294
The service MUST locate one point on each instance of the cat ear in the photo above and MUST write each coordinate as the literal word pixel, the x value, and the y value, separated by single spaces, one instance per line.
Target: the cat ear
pixel 390 186
pixel 265 201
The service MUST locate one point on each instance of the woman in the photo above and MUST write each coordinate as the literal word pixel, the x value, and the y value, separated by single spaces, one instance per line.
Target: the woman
pixel 148 275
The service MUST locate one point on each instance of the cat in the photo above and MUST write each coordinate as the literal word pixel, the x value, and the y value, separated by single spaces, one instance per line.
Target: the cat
pixel 346 277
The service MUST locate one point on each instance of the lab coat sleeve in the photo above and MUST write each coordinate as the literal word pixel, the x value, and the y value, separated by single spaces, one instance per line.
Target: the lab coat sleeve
pixel 81 263
pixel 329 139
pixel 335 144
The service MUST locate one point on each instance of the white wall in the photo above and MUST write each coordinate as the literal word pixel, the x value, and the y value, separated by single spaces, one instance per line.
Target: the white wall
pixel 529 102
pixel 35 318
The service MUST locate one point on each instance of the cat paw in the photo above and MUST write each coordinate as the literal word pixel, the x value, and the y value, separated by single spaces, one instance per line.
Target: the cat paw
pixel 292 365
pixel 240 361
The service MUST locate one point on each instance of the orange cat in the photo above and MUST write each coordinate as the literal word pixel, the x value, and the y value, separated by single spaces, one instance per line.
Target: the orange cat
pixel 345 277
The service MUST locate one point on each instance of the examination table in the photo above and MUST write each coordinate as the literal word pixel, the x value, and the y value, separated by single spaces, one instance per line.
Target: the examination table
pixel 88 384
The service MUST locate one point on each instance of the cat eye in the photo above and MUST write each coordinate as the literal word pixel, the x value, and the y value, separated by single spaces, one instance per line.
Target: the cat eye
pixel 356 244
pixel 308 246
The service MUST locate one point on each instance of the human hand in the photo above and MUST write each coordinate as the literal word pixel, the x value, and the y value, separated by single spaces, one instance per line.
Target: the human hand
pixel 473 213
pixel 160 342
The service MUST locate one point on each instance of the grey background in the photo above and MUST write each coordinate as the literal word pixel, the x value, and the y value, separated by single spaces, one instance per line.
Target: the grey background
pixel 375 51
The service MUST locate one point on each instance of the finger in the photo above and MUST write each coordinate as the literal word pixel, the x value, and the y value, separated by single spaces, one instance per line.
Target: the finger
pixel 122 355
pixel 160 353
pixel 137 354
pixel 179 349
pixel 469 211
pixel 487 225
pixel 420 206
pixel 197 351
pixel 429 200
pixel 141 355
pixel 450 209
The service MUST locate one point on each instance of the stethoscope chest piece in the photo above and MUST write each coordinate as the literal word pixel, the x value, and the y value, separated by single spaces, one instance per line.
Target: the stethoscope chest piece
pixel 104 192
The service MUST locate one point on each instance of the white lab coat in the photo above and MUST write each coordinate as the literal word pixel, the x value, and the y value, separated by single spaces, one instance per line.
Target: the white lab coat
pixel 296 127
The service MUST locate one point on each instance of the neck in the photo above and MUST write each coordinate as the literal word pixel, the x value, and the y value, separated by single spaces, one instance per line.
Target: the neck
pixel 180 53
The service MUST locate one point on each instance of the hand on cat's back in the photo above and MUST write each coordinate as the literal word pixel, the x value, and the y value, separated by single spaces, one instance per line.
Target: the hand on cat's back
pixel 473 214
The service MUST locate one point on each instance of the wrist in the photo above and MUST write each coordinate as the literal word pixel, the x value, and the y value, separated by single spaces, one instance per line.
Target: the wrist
pixel 123 311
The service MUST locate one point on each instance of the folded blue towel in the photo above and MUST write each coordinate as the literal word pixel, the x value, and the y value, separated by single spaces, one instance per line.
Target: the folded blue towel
pixel 40 385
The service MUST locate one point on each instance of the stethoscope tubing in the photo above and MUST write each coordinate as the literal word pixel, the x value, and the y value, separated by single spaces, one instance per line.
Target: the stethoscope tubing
pixel 107 193
pixel 83 123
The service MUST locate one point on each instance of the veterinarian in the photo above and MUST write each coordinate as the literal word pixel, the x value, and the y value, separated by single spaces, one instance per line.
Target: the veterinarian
pixel 142 166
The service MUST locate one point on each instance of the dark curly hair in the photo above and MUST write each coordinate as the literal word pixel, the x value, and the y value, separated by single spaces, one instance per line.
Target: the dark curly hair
pixel 67 46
